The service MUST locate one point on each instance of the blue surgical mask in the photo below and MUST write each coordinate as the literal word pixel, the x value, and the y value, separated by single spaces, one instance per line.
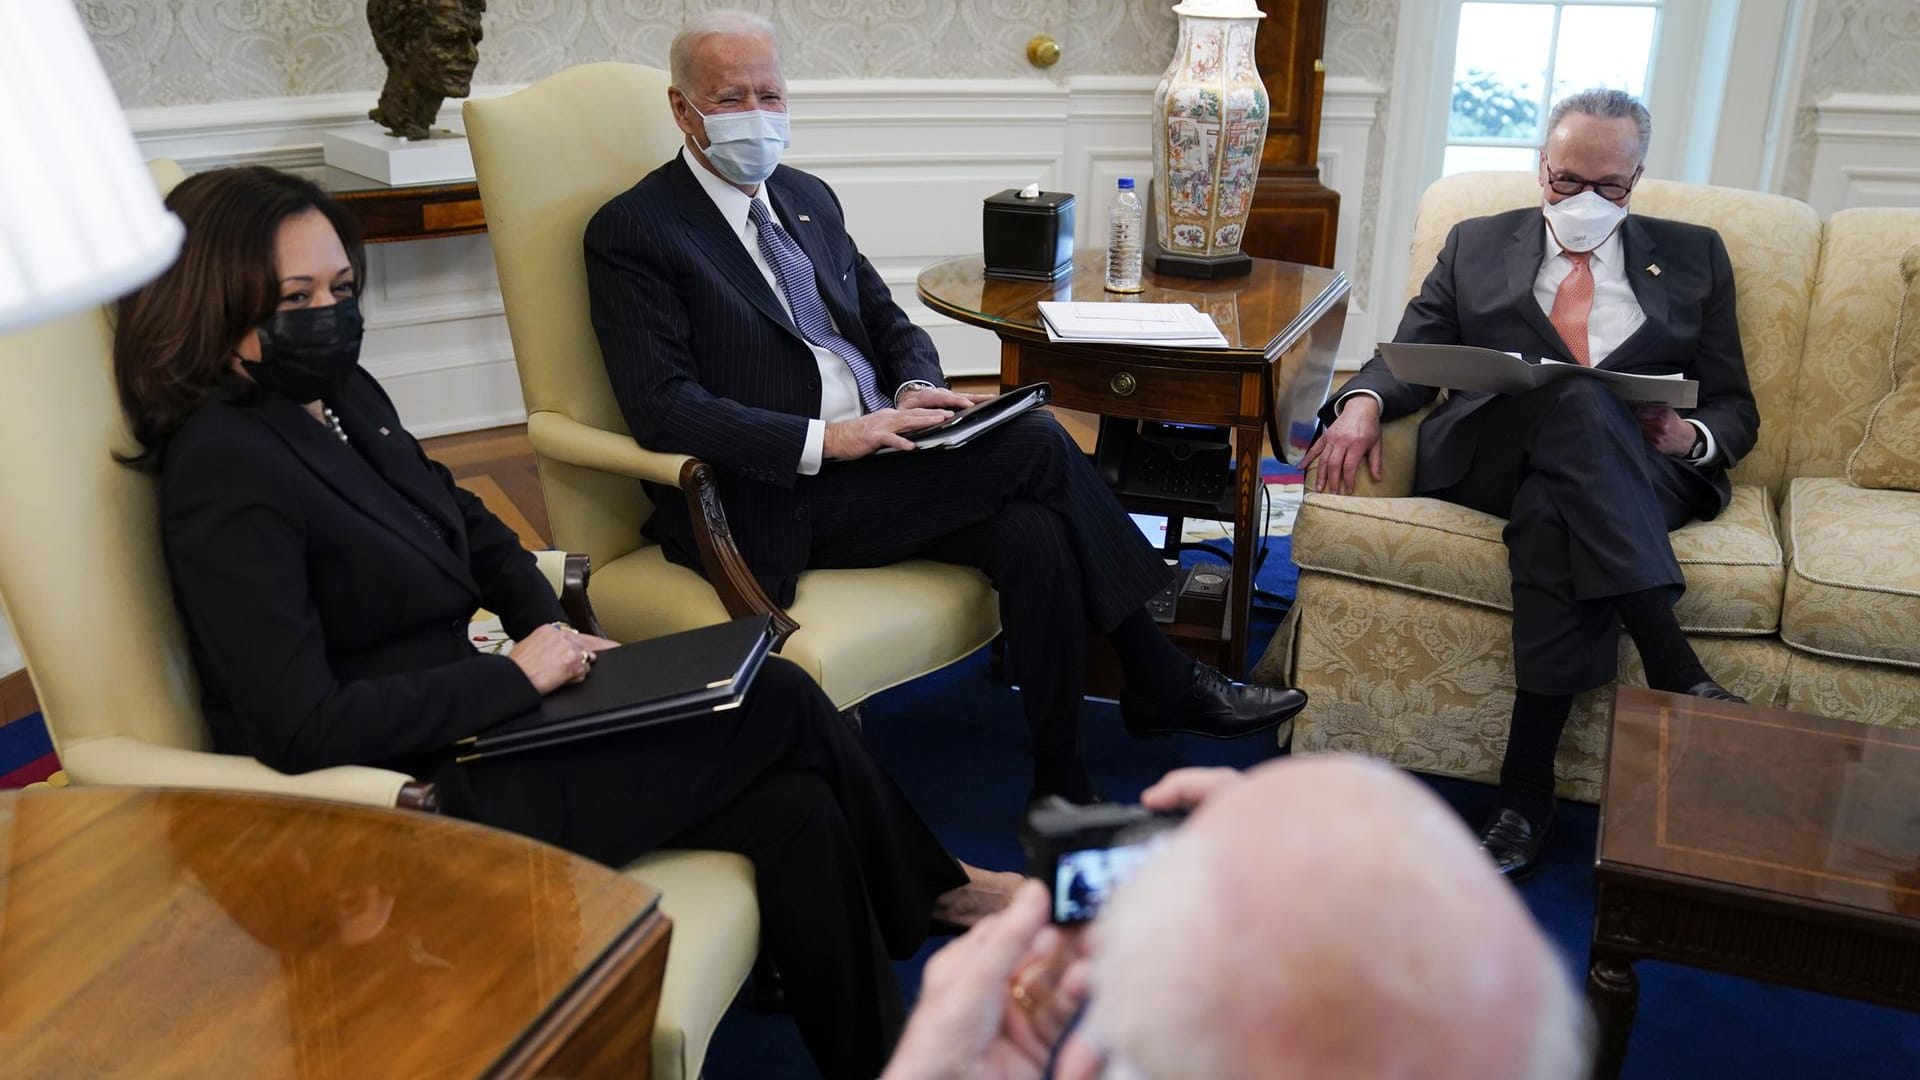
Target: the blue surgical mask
pixel 745 147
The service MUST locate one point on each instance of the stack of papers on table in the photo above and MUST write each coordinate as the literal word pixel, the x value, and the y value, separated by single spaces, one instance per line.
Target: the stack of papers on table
pixel 1130 324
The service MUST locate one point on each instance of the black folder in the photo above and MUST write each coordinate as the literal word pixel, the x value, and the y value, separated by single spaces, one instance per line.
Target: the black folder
pixel 664 679
pixel 977 419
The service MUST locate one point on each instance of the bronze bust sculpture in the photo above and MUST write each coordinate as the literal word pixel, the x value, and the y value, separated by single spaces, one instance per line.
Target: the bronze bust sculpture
pixel 430 48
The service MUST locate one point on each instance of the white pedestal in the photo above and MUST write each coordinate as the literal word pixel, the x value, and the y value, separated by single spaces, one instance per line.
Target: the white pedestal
pixel 368 150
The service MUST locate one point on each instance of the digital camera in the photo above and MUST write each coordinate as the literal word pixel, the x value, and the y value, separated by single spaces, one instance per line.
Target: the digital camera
pixel 1083 853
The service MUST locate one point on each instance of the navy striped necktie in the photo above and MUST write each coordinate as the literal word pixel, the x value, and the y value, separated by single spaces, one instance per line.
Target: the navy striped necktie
pixel 794 271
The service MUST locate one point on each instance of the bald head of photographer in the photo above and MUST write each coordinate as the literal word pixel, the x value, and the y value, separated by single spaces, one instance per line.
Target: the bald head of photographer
pixel 1315 917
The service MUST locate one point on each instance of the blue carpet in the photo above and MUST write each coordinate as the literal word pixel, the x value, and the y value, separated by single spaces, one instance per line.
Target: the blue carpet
pixel 956 743
pixel 26 752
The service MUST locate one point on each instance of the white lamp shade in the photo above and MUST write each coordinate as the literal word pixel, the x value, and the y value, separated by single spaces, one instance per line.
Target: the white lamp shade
pixel 80 220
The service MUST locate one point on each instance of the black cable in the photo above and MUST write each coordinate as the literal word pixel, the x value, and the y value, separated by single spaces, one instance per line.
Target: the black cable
pixel 1274 603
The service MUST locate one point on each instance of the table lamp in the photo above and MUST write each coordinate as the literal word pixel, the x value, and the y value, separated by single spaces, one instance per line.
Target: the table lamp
pixel 80 220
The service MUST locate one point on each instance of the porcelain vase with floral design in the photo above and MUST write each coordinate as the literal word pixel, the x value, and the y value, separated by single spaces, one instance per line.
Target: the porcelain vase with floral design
pixel 1210 121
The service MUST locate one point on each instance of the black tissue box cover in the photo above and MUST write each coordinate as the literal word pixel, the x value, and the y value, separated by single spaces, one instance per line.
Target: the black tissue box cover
pixel 1028 239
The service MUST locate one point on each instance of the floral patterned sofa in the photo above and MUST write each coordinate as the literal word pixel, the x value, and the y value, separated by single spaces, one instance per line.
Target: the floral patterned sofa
pixel 1805 593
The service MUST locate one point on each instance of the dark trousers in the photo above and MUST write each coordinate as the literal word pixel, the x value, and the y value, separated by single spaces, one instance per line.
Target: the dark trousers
pixel 1589 505
pixel 1023 505
pixel 846 871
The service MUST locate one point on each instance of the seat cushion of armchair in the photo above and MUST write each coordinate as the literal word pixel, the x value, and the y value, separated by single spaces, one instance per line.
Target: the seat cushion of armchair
pixel 861 631
pixel 1853 584
pixel 1733 564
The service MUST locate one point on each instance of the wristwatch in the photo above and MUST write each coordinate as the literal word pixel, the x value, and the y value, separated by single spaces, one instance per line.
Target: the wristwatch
pixel 909 387
pixel 1699 448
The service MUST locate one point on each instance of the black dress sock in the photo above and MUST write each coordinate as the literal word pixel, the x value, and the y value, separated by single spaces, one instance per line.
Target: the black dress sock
pixel 1152 664
pixel 1670 661
pixel 1526 774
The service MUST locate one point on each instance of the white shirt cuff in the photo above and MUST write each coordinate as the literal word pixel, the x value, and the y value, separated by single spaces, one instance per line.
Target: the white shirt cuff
pixel 816 448
pixel 1344 398
pixel 1713 449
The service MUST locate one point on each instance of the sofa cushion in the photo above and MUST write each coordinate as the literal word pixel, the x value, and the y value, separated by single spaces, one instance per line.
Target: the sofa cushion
pixel 1853 581
pixel 1856 298
pixel 1734 564
pixel 1889 453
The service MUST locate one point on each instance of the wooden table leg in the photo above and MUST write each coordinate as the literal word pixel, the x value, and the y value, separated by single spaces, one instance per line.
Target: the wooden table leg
pixel 1614 992
pixel 1248 533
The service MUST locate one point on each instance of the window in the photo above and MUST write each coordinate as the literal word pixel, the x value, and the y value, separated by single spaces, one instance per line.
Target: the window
pixel 1512 60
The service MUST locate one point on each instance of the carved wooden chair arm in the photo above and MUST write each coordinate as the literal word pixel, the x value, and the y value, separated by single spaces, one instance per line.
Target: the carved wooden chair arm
pixel 573 594
pixel 419 795
pixel 567 440
pixel 740 592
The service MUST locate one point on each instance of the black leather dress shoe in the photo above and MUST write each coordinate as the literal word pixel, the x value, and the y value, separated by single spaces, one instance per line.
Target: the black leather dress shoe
pixel 1214 706
pixel 1713 691
pixel 1514 841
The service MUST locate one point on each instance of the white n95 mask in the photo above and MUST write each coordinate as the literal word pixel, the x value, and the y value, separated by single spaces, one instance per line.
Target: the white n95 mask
pixel 745 147
pixel 1583 222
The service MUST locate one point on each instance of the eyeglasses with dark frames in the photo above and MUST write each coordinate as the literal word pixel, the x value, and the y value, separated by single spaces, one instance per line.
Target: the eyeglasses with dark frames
pixel 1569 184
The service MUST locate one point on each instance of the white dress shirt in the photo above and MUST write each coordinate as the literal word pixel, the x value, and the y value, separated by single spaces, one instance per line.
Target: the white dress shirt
pixel 1616 311
pixel 1615 315
pixel 839 393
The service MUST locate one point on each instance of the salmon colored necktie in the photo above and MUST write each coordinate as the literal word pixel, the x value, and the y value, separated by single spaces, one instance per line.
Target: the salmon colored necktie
pixel 1572 304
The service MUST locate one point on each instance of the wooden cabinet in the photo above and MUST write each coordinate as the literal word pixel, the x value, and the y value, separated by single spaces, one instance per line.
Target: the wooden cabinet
pixel 1295 216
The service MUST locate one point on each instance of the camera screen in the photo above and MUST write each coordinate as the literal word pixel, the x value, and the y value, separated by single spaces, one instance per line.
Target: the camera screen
pixel 1083 879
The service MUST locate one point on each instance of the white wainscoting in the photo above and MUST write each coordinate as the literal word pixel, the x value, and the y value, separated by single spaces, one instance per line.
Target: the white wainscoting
pixel 1347 116
pixel 1866 152
pixel 910 160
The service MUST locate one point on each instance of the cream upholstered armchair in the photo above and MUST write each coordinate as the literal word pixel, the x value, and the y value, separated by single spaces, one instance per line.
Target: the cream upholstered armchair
pixel 85 587
pixel 548 157
pixel 86 590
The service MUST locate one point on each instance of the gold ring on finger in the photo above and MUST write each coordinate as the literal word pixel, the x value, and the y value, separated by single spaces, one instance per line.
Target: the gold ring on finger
pixel 1020 995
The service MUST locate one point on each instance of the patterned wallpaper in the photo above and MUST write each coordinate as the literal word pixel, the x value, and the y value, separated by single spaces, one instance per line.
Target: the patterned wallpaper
pixel 189 52
pixel 181 52
pixel 1360 37
pixel 1854 46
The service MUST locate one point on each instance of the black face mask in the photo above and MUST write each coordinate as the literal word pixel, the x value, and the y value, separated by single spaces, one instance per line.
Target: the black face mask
pixel 307 353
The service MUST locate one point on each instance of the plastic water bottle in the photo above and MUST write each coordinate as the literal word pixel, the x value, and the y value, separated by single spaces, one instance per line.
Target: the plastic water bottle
pixel 1125 224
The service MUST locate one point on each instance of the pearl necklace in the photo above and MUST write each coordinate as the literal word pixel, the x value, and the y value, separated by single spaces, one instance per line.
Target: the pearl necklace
pixel 333 423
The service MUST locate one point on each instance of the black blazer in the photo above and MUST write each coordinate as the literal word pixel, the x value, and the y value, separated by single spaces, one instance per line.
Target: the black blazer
pixel 328 623
pixel 704 360
pixel 1480 292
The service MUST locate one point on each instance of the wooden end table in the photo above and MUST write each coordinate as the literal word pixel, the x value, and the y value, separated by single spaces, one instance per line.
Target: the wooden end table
pixel 388 213
pixel 199 933
pixel 1755 842
pixel 1282 323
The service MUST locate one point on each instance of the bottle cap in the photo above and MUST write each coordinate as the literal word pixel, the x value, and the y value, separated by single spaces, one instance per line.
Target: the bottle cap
pixel 1126 183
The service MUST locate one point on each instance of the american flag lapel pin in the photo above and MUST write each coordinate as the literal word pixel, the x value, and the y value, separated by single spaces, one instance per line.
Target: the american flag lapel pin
pixel 1654 269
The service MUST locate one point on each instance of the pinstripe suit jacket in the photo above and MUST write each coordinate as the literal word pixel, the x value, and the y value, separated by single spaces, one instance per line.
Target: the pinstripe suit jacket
pixel 705 361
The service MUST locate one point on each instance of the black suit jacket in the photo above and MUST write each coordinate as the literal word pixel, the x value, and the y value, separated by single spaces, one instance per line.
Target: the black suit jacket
pixel 328 623
pixel 704 360
pixel 1480 292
